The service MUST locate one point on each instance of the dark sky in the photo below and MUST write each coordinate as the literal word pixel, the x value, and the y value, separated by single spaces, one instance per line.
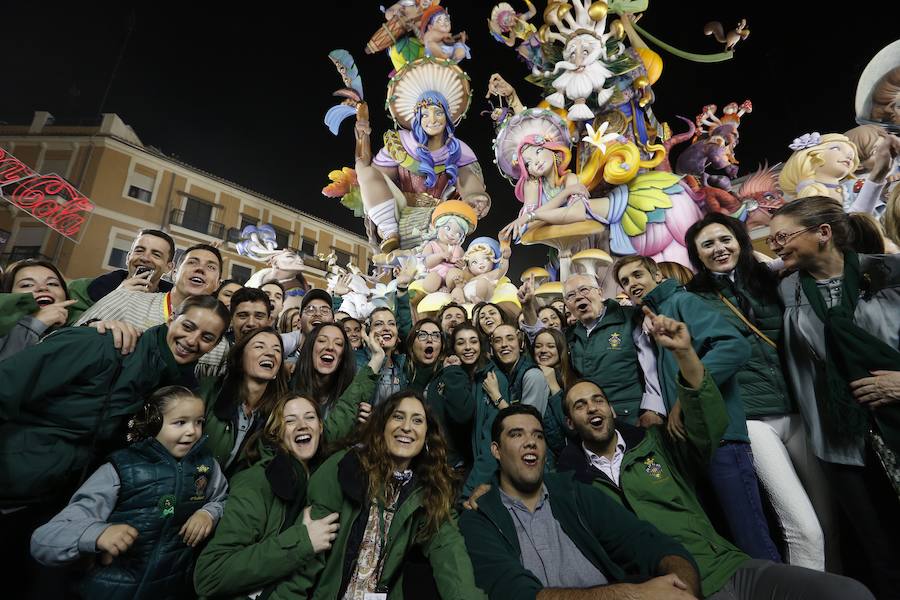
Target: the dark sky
pixel 241 92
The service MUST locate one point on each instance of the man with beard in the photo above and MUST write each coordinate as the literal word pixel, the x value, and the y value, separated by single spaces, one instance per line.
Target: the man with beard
pixel 548 536
pixel 451 315
pixel 607 341
pixel 584 73
pixel 654 475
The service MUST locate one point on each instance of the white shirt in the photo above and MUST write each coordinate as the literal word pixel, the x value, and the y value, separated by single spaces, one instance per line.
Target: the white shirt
pixel 646 353
pixel 610 467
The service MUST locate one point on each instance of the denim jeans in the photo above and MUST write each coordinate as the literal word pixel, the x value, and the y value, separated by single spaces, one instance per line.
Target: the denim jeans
pixel 734 482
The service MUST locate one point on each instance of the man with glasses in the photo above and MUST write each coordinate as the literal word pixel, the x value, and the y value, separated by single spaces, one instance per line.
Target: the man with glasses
pixel 608 347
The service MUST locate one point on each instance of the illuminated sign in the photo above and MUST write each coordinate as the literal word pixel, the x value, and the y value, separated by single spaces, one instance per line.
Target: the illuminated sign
pixel 48 198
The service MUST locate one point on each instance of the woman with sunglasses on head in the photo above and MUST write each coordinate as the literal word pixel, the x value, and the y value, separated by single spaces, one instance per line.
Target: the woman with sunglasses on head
pixel 425 345
pixel 267 537
pixel 326 372
pixel 841 325
pixel 394 492
pixel 745 293
pixel 466 395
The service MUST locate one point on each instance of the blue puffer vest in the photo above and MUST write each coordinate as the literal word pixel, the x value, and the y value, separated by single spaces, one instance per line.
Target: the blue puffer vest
pixel 157 495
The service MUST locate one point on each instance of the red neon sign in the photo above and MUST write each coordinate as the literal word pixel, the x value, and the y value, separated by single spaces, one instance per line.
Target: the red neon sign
pixel 48 198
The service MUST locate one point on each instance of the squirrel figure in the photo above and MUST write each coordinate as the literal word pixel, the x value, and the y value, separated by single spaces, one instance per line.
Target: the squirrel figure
pixel 730 39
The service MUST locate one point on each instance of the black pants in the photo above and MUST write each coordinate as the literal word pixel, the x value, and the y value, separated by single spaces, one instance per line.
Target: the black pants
pixel 765 579
pixel 870 506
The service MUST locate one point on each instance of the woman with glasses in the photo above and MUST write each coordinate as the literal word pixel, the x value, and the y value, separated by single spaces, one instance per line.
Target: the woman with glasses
pixel 466 395
pixel 841 326
pixel 745 293
pixel 425 344
pixel 391 378
pixel 394 492
pixel 327 373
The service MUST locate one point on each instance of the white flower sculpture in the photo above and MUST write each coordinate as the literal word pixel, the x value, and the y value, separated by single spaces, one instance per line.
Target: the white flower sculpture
pixel 599 138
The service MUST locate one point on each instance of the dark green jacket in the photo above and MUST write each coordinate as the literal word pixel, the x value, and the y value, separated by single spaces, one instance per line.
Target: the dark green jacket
pixel 763 388
pixel 615 541
pixel 460 403
pixel 222 407
pixel 339 485
pixel 57 395
pixel 608 357
pixel 13 307
pixel 261 541
pixel 158 564
pixel 721 348
pixel 658 478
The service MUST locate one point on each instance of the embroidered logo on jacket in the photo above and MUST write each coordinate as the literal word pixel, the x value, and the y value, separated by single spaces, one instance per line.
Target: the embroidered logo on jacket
pixel 654 469
pixel 166 506
pixel 201 480
pixel 615 341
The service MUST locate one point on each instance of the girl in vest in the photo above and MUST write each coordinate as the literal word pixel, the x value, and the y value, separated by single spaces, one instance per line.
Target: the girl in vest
pixel 394 492
pixel 266 538
pixel 142 514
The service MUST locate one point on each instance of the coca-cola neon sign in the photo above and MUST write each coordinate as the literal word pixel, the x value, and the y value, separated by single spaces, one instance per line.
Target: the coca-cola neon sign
pixel 48 198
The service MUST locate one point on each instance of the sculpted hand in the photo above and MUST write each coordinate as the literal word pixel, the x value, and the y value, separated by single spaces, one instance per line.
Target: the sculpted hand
pixel 322 532
pixel 342 285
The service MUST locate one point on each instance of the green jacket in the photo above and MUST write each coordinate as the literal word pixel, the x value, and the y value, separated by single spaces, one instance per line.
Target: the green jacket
pixel 608 357
pixel 463 409
pixel 78 290
pixel 339 485
pixel 615 541
pixel 221 427
pixel 721 348
pixel 658 479
pixel 261 541
pixel 763 388
pixel 61 393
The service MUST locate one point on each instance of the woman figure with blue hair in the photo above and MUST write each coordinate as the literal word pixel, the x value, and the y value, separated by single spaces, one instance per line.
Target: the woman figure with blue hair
pixel 422 162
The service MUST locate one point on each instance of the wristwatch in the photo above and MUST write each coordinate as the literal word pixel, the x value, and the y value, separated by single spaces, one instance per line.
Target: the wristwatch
pixel 497 402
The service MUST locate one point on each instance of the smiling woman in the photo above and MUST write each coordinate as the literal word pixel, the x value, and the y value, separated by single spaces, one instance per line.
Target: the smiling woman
pixel 40 303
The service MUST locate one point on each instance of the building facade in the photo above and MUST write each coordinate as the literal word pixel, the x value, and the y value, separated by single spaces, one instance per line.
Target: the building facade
pixel 133 186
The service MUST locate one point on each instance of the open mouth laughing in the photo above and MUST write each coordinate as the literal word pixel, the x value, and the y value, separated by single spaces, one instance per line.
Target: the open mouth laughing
pixel 43 300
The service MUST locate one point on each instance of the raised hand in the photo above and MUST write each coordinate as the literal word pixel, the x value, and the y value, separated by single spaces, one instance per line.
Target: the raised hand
pixel 670 334
pixel 342 285
pixel 56 314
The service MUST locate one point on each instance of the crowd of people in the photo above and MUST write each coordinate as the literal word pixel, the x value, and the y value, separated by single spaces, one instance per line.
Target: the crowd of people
pixel 723 432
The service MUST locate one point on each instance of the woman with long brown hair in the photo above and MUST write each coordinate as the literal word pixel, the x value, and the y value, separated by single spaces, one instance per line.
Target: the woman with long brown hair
pixel 551 353
pixel 394 491
pixel 239 403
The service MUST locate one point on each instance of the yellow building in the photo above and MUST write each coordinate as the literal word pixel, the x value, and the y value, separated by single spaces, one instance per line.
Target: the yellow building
pixel 134 186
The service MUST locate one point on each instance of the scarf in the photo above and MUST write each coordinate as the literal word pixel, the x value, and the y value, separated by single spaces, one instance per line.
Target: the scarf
pixel 851 353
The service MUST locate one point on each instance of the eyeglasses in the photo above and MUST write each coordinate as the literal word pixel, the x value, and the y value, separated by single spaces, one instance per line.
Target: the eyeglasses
pixel 782 238
pixel 582 291
pixel 424 336
pixel 312 310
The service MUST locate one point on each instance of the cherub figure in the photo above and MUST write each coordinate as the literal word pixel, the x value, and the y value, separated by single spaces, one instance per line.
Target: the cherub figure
pixel 507 26
pixel 486 265
pixel 438 39
pixel 442 252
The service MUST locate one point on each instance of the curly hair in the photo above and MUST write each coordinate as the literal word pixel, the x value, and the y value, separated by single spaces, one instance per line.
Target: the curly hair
pixel 272 433
pixel 148 421
pixel 431 467
pixel 483 347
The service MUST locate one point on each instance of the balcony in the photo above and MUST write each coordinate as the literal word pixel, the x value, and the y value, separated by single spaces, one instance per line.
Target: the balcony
pixel 204 226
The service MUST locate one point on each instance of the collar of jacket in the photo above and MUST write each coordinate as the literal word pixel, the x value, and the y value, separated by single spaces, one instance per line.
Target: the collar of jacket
pixel 157 448
pixel 574 459
pixel 355 484
pixel 285 475
pixel 177 371
pixel 661 293
pixel 100 286
pixel 613 314
pixel 523 364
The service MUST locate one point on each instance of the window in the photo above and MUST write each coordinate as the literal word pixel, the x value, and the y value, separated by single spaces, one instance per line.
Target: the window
pixel 58 166
pixel 23 252
pixel 308 247
pixel 197 215
pixel 343 258
pixel 118 254
pixel 240 273
pixel 247 220
pixel 140 187
pixel 282 237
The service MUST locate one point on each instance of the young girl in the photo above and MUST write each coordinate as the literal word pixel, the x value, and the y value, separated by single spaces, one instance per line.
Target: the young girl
pixel 145 510
pixel 266 536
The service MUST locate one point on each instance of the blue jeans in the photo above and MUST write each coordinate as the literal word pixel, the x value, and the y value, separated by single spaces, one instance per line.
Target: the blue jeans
pixel 734 481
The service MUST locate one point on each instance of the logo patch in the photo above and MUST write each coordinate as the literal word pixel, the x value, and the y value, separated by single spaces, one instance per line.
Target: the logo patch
pixel 166 506
pixel 615 341
pixel 201 480
pixel 654 469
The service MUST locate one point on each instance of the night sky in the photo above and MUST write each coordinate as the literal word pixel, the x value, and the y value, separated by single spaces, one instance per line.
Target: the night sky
pixel 241 92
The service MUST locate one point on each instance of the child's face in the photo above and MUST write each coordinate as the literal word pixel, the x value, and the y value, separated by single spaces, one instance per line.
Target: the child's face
pixel 182 425
pixel 450 233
